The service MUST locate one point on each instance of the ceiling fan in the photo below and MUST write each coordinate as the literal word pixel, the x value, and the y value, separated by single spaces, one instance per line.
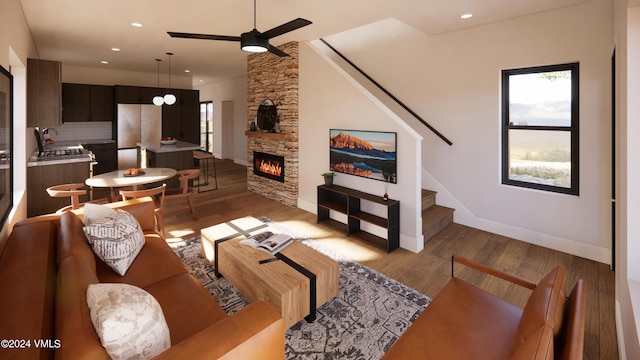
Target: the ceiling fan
pixel 254 40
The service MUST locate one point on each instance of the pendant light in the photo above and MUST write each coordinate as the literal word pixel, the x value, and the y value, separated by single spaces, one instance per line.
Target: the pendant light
pixel 169 98
pixel 158 100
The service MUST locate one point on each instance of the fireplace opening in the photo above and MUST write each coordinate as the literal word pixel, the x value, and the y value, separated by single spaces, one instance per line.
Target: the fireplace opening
pixel 268 165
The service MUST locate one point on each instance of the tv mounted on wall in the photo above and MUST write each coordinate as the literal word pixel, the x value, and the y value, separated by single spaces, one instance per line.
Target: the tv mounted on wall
pixel 370 154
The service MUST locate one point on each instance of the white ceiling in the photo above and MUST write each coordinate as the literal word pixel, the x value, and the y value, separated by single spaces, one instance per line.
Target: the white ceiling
pixel 82 32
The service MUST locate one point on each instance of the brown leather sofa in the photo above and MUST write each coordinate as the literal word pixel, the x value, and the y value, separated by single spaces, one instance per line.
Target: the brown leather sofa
pixel 46 266
pixel 465 322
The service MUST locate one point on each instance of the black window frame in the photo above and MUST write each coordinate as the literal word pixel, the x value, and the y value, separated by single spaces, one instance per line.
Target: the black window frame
pixel 207 130
pixel 574 128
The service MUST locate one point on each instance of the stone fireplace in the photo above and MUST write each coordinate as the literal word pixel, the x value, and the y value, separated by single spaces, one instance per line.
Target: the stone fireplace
pixel 274 78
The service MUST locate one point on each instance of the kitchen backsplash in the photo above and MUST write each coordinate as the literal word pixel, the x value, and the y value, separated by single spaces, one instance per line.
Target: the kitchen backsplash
pixel 74 131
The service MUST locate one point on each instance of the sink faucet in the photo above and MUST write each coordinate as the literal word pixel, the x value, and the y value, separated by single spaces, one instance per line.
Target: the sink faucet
pixel 46 131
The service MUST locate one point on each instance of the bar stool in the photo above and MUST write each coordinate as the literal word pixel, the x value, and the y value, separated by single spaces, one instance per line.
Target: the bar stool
pixel 203 158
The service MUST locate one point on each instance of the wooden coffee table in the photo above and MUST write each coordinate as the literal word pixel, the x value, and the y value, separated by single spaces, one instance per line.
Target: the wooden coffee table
pixel 296 281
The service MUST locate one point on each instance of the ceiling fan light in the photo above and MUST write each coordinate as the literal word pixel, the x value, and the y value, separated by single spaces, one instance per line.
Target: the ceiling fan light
pixel 169 99
pixel 158 100
pixel 254 49
pixel 253 42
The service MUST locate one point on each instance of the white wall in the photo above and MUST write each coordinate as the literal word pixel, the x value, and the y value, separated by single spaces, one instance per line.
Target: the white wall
pixel 109 76
pixel 234 89
pixel 453 81
pixel 328 100
pixel 16 45
pixel 627 41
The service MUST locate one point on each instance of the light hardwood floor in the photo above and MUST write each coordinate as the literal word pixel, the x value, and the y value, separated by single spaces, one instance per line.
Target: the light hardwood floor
pixel 427 271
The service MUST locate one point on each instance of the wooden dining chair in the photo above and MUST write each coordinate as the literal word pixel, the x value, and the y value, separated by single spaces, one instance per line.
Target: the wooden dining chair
pixel 158 195
pixel 72 191
pixel 184 191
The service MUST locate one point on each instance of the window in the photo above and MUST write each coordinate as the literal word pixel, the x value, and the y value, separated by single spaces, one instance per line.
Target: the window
pixel 206 126
pixel 540 128
pixel 6 144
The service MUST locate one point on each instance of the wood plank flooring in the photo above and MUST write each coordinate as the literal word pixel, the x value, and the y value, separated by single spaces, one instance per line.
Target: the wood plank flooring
pixel 427 271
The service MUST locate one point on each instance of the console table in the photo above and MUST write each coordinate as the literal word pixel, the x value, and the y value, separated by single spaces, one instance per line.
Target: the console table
pixel 348 201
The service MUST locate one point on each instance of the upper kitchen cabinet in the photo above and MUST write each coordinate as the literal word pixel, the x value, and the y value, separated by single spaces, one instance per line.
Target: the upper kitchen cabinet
pixel 81 102
pixel 44 93
pixel 135 94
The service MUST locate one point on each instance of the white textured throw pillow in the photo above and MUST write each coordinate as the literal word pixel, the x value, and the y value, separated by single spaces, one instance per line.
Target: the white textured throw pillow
pixel 95 212
pixel 116 239
pixel 128 320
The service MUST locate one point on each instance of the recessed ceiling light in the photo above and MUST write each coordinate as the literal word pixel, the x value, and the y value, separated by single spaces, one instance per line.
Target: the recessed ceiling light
pixel 136 24
pixel 115 49
pixel 187 71
pixel 466 16
pixel 104 62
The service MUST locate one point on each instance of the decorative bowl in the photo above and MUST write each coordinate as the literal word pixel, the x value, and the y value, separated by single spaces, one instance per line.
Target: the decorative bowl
pixel 168 142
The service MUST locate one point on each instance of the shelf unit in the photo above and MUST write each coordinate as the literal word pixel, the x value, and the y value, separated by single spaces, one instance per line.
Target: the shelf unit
pixel 348 202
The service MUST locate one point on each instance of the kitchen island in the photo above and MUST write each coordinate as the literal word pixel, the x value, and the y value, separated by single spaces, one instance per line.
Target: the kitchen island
pixel 177 156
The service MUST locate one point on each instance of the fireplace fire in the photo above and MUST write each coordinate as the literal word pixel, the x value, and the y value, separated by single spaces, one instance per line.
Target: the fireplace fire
pixel 268 165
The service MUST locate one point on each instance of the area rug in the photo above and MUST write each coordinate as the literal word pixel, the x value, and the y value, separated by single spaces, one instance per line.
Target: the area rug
pixel 367 316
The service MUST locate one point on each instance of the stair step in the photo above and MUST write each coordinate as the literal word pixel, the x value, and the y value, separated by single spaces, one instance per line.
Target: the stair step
pixel 434 219
pixel 428 199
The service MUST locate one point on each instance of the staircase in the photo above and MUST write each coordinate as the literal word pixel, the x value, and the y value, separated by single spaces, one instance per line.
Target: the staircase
pixel 434 217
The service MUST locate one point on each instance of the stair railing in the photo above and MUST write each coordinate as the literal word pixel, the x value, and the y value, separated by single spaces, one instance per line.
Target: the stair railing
pixel 389 94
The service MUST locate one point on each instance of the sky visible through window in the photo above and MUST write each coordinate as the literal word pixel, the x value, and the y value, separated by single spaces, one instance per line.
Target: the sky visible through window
pixel 540 99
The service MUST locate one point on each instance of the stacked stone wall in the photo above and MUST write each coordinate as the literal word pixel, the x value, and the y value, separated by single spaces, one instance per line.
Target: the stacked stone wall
pixel 276 78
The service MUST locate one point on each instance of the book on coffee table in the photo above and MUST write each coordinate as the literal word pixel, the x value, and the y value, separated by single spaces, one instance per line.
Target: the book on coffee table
pixel 268 241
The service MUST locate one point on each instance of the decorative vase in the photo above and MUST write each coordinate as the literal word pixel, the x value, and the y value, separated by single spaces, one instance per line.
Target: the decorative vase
pixel 328 181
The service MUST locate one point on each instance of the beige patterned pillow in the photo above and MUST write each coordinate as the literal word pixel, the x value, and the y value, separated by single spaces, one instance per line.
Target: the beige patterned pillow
pixel 95 212
pixel 128 320
pixel 116 239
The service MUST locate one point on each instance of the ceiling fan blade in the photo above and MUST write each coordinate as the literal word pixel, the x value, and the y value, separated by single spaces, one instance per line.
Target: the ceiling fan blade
pixel 285 28
pixel 276 51
pixel 203 36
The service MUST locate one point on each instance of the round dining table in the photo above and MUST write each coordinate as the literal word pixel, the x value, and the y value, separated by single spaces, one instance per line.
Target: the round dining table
pixel 117 179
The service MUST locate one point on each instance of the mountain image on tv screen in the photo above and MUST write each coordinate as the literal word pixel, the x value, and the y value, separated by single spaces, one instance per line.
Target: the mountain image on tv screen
pixel 370 154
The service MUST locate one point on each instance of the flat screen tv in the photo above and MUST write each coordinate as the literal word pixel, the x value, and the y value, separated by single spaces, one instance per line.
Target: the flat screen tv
pixel 370 154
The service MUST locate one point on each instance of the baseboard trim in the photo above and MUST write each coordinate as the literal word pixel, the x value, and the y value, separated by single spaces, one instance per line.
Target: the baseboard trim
pixel 622 353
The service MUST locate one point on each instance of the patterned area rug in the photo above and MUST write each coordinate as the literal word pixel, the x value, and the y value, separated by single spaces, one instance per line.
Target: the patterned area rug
pixel 367 316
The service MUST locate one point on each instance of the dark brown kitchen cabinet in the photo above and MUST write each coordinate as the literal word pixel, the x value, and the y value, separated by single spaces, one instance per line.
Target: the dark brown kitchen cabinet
pixel 106 155
pixel 128 94
pixel 44 93
pixel 103 104
pixel 191 116
pixel 182 119
pixel 39 178
pixel 82 102
pixel 125 94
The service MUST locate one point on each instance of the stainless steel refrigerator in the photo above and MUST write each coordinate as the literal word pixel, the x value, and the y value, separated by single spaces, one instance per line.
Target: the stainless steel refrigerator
pixel 136 124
